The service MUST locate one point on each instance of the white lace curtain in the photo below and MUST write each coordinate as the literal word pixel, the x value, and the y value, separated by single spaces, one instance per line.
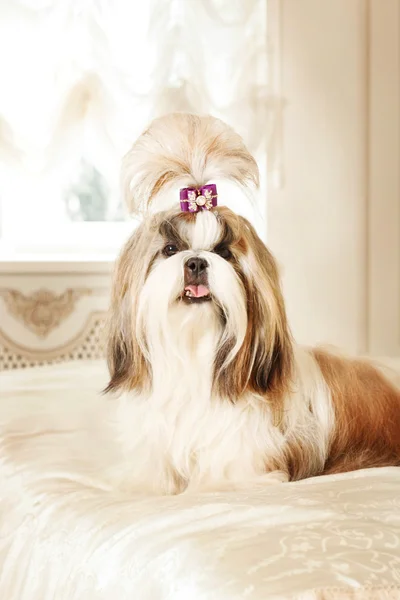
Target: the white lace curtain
pixel 80 79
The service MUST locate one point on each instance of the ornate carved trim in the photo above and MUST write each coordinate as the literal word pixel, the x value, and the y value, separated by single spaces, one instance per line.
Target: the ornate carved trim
pixel 43 310
pixel 53 353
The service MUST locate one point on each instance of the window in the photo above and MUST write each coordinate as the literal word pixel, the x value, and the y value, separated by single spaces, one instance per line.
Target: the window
pixel 80 80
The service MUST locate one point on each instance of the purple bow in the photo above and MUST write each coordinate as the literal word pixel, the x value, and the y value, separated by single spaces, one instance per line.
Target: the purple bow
pixel 204 198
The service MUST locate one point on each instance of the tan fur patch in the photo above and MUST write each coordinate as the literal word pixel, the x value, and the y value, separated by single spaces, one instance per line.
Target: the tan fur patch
pixel 264 363
pixel 367 414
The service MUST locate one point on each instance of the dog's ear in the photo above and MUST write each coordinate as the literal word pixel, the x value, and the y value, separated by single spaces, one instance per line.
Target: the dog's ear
pixel 127 364
pixel 263 364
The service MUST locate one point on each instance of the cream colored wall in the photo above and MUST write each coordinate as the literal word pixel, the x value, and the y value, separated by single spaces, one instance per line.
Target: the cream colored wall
pixel 317 220
pixel 384 178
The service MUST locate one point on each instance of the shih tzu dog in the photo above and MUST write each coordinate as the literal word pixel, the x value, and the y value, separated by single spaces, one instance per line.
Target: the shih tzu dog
pixel 212 390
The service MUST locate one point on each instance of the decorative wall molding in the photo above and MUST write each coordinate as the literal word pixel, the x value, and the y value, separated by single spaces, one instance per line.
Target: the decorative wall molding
pixel 43 310
pixel 52 312
pixel 88 344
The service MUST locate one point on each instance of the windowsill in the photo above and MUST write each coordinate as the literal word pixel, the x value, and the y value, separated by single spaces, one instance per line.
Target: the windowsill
pixel 57 263
pixel 77 247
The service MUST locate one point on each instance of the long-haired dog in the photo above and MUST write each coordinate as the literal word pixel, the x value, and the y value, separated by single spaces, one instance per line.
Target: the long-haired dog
pixel 207 389
pixel 211 389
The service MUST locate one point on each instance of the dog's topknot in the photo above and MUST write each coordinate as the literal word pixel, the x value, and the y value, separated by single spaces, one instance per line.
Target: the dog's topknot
pixel 182 150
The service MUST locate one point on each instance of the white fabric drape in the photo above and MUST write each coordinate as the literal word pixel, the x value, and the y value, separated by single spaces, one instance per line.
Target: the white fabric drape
pixel 82 78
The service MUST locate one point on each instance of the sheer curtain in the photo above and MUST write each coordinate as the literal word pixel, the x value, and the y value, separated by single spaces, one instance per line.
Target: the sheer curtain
pixel 81 79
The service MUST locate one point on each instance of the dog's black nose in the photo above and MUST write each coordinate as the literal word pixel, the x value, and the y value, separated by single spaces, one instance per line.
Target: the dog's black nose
pixel 196 265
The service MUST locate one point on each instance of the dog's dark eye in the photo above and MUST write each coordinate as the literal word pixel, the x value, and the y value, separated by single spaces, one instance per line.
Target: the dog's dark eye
pixel 170 250
pixel 223 251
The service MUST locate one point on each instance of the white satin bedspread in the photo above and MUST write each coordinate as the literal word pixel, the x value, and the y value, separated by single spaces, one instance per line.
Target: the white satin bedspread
pixel 340 532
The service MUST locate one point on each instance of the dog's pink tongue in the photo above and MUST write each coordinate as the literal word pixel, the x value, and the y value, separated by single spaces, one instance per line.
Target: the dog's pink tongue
pixel 197 291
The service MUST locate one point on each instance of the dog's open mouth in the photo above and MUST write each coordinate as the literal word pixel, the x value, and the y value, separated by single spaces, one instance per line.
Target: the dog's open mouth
pixel 196 293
